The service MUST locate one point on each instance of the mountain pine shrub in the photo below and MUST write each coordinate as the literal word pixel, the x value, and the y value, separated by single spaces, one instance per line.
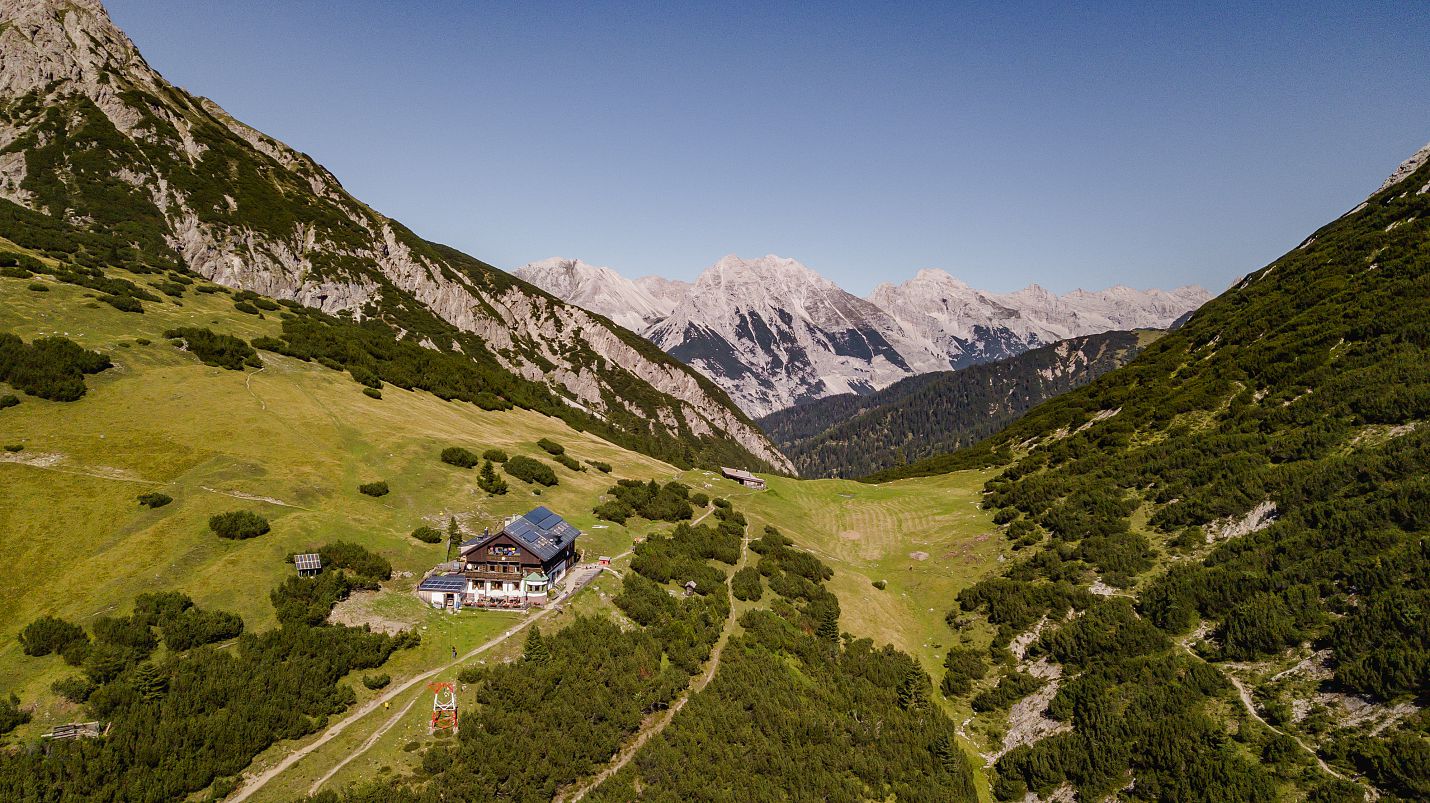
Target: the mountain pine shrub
pixel 238 524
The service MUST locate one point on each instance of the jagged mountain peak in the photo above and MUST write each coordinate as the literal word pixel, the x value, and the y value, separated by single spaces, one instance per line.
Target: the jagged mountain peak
pixel 598 289
pixel 773 332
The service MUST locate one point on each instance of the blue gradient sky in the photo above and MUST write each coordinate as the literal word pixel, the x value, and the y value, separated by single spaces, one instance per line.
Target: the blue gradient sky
pixel 1069 146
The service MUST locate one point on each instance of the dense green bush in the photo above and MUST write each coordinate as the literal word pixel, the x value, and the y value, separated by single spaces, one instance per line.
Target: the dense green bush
pixel 39 287
pixel 224 351
pixel 963 665
pixel 649 500
pixel 458 456
pixel 11 716
pixel 604 468
pixel 123 303
pixel 376 682
pixel 1010 689
pixel 75 688
pixel 530 470
pixel 427 535
pixel 155 499
pixel 8 400
pixel 494 455
pixel 551 447
pixel 49 367
pixel 49 634
pixel 378 488
pixel 746 584
pixel 238 524
pixel 372 393
pixel 569 462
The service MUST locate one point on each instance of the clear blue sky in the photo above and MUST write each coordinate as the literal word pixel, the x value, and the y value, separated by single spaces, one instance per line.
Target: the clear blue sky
pixel 1065 144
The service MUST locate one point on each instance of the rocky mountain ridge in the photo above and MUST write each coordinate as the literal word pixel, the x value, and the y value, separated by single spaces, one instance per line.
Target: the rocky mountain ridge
pixel 775 334
pixel 91 136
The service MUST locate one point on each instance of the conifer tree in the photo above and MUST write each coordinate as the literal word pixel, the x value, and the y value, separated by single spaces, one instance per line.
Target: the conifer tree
pixel 911 689
pixel 828 626
pixel 490 482
pixel 454 535
pixel 536 651
pixel 149 682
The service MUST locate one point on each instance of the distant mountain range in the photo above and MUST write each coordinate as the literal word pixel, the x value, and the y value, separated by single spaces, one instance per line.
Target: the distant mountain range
pixel 774 334
pixel 915 418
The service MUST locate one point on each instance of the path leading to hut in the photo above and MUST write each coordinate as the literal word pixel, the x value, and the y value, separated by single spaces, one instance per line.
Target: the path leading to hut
pixel 657 722
pixel 581 576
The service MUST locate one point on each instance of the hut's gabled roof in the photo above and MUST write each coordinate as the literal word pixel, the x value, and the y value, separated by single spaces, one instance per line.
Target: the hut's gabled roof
pixel 543 533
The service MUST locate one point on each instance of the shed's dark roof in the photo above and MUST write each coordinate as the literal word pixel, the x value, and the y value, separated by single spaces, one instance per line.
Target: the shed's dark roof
pixel 452 583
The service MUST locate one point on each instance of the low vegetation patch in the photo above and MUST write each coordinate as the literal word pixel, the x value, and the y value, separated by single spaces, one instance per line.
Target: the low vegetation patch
pixel 9 400
pixel 459 457
pixel 604 468
pixel 378 488
pixel 427 535
pixel 49 367
pixel 649 500
pixel 570 462
pixel 372 393
pixel 530 470
pixel 495 455
pixel 154 500
pixel 238 524
pixel 551 447
pixel 224 351
pixel 375 682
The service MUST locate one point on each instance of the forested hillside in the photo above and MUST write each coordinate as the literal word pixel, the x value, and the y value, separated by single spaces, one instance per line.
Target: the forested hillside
pixel 852 435
pixel 1244 506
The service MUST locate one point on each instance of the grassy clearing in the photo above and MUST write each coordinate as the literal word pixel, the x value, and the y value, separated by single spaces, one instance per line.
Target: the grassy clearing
pixel 926 538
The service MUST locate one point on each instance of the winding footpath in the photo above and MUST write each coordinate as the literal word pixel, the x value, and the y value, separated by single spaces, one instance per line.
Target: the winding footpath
pixel 657 722
pixel 1244 694
pixel 650 728
pixel 256 782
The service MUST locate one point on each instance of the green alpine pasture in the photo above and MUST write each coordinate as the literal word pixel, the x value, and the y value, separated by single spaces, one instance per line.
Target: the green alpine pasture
pixel 292 442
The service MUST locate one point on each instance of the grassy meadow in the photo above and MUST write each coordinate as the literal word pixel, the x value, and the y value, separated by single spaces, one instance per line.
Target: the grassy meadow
pixel 294 440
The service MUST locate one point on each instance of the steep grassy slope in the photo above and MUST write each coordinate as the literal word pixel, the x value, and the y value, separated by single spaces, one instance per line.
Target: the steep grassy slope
pixel 107 165
pixel 1255 483
pixel 918 417
pixel 291 441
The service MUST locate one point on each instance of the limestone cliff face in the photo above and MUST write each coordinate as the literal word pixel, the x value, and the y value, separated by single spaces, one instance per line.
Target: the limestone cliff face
pixel 246 211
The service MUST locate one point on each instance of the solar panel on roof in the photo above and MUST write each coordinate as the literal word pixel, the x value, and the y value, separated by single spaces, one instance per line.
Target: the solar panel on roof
pixel 308 562
pixel 444 582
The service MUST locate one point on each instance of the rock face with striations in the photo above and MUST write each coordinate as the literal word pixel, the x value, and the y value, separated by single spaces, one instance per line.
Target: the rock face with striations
pixel 91 135
pixel 775 334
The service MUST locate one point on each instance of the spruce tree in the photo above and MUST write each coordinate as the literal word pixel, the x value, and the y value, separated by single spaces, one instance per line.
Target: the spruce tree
pixel 828 626
pixel 149 682
pixel 911 693
pixel 490 482
pixel 454 535
pixel 536 651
